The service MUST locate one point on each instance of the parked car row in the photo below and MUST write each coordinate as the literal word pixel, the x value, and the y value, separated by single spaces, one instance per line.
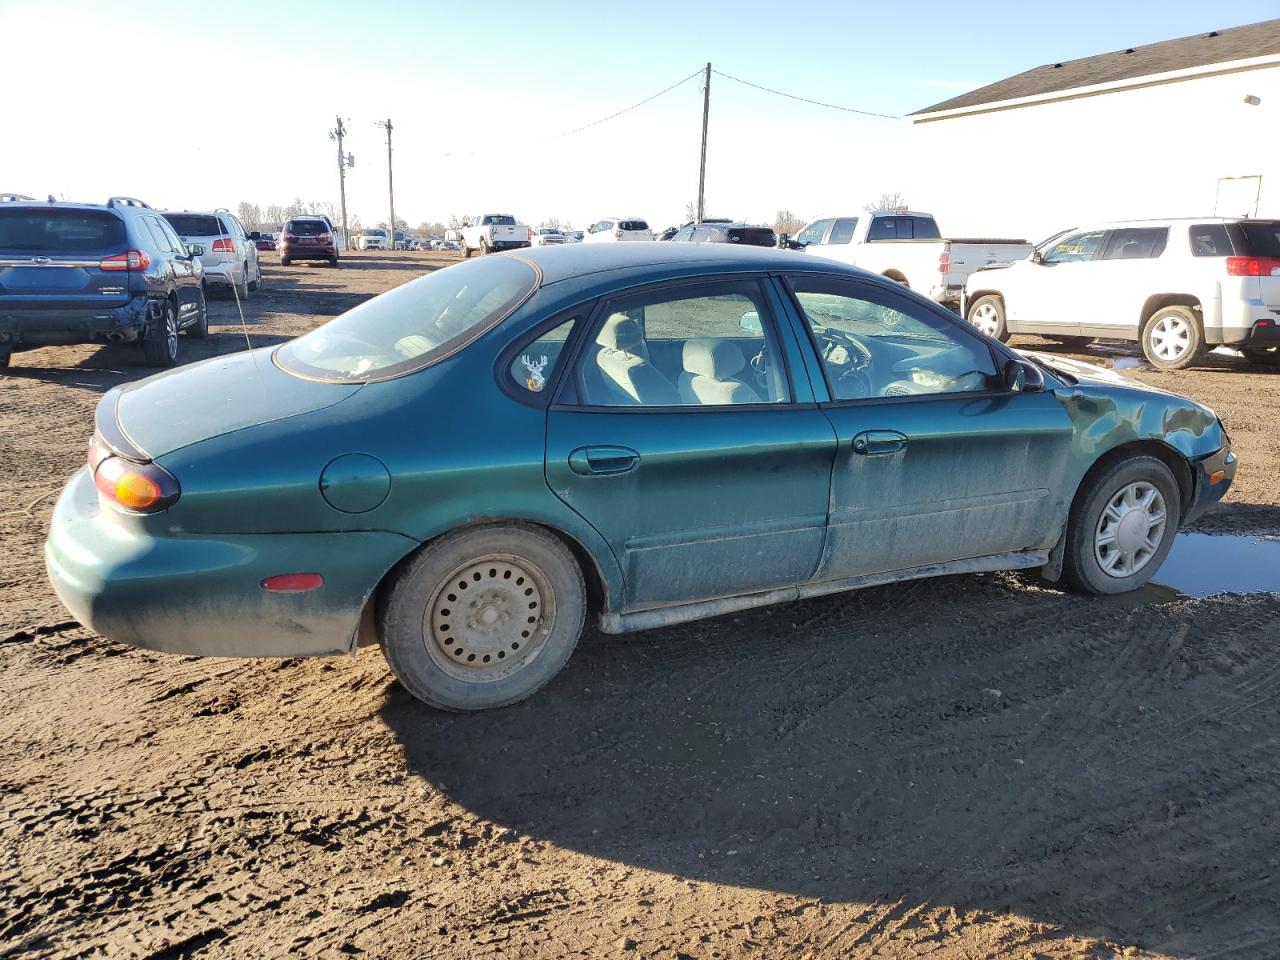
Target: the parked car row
pixel 115 272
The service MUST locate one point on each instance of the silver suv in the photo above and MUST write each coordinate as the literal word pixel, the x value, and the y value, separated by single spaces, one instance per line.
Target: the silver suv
pixel 230 258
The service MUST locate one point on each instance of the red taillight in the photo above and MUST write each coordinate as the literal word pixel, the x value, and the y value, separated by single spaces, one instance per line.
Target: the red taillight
pixel 1252 266
pixel 223 245
pixel 944 261
pixel 293 582
pixel 140 487
pixel 129 260
pixel 324 237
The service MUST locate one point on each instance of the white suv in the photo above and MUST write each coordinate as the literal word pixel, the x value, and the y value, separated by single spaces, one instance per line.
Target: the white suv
pixel 612 229
pixel 1178 287
pixel 230 258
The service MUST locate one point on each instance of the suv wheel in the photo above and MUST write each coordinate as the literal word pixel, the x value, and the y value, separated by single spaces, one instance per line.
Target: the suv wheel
pixel 466 251
pixel 987 314
pixel 160 345
pixel 200 329
pixel 1171 338
pixel 256 282
pixel 242 288
pixel 1263 356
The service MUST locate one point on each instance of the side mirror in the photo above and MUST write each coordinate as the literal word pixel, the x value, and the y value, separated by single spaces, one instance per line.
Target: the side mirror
pixel 1037 256
pixel 750 322
pixel 195 250
pixel 1022 377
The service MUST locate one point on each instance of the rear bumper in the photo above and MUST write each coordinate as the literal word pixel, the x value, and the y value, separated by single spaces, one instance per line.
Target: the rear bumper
pixel 1208 492
pixel 202 594
pixel 322 252
pixel 949 294
pixel 509 244
pixel 39 326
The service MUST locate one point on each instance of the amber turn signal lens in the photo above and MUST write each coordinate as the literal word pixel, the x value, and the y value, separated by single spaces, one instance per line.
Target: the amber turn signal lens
pixel 1217 477
pixel 140 487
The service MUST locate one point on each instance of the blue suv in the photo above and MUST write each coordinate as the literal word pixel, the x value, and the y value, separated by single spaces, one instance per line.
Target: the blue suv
pixel 89 273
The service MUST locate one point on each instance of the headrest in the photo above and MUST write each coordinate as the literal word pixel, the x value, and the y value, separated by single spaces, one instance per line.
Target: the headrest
pixel 621 332
pixel 717 359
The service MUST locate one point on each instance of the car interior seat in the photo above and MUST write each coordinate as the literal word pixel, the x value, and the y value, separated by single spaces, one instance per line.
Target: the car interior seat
pixel 623 360
pixel 709 368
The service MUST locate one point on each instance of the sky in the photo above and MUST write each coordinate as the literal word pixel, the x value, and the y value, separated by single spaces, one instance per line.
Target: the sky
pixel 196 106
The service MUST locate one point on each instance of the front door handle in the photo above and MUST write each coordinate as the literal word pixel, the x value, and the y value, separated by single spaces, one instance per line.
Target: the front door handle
pixel 603 461
pixel 872 443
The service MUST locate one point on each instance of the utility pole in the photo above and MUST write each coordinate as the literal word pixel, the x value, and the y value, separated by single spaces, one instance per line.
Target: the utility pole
pixel 391 193
pixel 344 161
pixel 702 165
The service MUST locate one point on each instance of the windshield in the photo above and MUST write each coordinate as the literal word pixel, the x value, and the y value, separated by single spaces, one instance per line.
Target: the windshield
pixel 412 326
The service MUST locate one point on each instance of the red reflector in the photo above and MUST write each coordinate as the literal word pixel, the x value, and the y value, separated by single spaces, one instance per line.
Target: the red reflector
pixel 223 245
pixel 1264 323
pixel 293 582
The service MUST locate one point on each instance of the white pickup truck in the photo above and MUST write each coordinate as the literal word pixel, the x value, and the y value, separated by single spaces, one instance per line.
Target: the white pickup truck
pixel 907 247
pixel 491 232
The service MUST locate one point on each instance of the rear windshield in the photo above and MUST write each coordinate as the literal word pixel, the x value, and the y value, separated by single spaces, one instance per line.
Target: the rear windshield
pixel 753 236
pixel 48 230
pixel 194 224
pixel 306 228
pixel 1262 238
pixel 498 220
pixel 632 225
pixel 414 325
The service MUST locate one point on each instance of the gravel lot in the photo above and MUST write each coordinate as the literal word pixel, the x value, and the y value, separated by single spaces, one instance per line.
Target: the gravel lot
pixel 967 767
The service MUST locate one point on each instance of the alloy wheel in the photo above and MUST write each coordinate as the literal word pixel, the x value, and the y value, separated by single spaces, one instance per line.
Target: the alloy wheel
pixel 1130 530
pixel 1170 337
pixel 986 318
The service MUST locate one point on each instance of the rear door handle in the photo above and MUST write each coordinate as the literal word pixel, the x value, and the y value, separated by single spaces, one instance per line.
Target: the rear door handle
pixel 872 443
pixel 603 461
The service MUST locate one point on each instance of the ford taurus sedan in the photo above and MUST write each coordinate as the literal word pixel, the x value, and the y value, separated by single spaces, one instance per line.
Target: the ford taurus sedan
pixel 464 469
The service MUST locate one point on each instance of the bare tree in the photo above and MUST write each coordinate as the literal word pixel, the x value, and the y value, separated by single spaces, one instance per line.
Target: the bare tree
pixel 690 211
pixel 274 216
pixel 887 201
pixel 786 221
pixel 250 215
pixel 553 223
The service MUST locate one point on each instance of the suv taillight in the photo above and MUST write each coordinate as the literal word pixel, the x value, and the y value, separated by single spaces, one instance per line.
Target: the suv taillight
pixel 129 260
pixel 324 237
pixel 138 487
pixel 223 245
pixel 944 261
pixel 1253 266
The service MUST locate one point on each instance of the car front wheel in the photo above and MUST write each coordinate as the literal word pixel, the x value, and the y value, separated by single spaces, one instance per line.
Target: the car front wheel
pixel 1122 526
pixel 987 314
pixel 483 617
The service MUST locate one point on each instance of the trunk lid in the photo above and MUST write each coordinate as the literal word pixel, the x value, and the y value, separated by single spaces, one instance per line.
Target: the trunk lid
pixel 204 400
pixel 51 257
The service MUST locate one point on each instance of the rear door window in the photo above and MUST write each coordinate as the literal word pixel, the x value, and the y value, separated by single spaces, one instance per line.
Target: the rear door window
pixel 53 231
pixel 1210 240
pixel 1136 243
pixel 842 232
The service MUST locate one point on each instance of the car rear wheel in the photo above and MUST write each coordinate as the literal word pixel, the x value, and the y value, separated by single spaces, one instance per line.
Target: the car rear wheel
pixel 484 248
pixel 242 288
pixel 483 617
pixel 333 261
pixel 1171 338
pixel 256 282
pixel 987 314
pixel 160 345
pixel 200 329
pixel 1263 356
pixel 1122 526
pixel 285 261
pixel 466 252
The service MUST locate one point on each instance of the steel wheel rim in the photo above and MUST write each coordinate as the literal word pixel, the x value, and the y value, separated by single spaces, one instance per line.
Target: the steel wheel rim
pixel 490 618
pixel 1130 530
pixel 1170 338
pixel 986 319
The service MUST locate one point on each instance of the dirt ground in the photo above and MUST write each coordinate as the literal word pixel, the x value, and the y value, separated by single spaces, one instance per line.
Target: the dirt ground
pixel 968 767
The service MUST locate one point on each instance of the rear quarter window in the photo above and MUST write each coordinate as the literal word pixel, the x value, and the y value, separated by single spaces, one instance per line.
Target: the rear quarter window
pixel 53 231
pixel 1210 240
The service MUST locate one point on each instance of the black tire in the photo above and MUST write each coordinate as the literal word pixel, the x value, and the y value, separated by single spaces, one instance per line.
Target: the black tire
pixel 160 345
pixel 254 285
pixel 1172 338
pixel 333 261
pixel 987 314
pixel 1263 356
pixel 503 566
pixel 285 261
pixel 1082 565
pixel 5 356
pixel 466 252
pixel 1071 343
pixel 200 329
pixel 242 288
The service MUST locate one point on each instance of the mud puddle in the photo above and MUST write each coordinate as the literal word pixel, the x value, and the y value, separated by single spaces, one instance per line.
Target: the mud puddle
pixel 1202 564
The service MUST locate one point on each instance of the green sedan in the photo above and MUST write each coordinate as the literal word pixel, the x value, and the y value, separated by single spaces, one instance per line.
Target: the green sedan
pixel 464 469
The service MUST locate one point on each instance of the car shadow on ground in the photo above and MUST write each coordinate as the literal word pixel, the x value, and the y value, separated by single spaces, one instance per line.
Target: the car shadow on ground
pixel 1104 353
pixel 891 747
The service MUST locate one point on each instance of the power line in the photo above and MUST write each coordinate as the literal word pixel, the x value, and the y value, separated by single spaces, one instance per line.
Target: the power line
pixel 816 103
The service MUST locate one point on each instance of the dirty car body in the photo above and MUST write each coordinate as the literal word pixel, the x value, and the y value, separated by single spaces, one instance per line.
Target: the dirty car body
pixel 698 428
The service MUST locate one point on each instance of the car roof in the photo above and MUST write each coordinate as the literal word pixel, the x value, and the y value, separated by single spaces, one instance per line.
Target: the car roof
pixel 61 205
pixel 1161 222
pixel 559 263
